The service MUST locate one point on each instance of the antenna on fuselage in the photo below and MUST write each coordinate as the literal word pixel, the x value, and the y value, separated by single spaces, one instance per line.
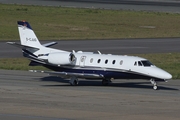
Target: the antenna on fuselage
pixel 99 52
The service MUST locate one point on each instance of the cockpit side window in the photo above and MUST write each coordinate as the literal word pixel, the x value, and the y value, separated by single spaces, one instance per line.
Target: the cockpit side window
pixel 146 63
pixel 139 63
pixel 99 60
pixel 135 64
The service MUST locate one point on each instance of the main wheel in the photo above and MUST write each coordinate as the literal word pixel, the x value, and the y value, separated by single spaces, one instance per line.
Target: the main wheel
pixel 74 82
pixel 105 82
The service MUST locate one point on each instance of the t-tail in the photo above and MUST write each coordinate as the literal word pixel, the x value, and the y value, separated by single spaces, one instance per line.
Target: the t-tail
pixel 30 45
pixel 27 35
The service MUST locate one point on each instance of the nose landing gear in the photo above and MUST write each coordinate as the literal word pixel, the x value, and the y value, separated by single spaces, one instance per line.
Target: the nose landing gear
pixel 153 82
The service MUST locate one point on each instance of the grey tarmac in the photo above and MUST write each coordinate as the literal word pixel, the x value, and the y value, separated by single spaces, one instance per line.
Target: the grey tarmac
pixel 37 96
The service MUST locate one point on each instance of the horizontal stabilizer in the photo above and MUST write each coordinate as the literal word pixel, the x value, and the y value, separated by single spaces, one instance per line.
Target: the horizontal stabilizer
pixel 21 46
pixel 49 44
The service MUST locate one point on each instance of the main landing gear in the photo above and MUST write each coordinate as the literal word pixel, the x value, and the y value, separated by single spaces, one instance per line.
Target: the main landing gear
pixel 105 82
pixel 74 81
pixel 153 82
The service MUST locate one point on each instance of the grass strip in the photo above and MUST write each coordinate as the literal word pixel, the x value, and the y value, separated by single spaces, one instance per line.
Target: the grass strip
pixel 57 23
pixel 166 61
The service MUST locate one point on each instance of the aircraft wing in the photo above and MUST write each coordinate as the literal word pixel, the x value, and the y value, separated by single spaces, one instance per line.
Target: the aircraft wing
pixel 69 74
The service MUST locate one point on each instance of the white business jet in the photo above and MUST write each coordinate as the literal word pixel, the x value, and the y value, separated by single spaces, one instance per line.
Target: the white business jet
pixel 87 65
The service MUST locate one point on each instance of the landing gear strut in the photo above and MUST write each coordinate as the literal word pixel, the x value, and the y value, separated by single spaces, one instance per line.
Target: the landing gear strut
pixel 74 81
pixel 153 82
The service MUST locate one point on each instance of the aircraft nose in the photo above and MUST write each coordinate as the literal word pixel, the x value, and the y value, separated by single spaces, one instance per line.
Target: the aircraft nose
pixel 168 76
pixel 162 74
pixel 165 75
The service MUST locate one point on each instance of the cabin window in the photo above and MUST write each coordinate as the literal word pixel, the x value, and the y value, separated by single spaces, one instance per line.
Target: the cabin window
pixel 121 62
pixel 91 60
pixel 139 63
pixel 106 61
pixel 99 60
pixel 146 63
pixel 114 61
pixel 135 64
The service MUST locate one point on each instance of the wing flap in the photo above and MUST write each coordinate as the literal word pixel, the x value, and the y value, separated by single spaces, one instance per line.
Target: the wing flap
pixel 69 74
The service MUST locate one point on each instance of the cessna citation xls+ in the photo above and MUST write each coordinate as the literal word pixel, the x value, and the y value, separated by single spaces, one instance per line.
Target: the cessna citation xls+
pixel 87 65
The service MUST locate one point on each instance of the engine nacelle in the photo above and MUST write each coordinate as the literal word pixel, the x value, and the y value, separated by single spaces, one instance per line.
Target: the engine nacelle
pixel 62 58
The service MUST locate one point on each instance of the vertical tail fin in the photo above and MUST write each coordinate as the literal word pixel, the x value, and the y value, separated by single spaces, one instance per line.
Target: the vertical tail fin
pixel 27 35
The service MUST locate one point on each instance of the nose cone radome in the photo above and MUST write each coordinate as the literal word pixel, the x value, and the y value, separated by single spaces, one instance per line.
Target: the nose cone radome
pixel 160 73
pixel 164 75
pixel 168 76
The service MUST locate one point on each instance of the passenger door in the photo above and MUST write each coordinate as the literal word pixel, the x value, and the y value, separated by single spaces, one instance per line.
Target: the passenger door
pixel 82 61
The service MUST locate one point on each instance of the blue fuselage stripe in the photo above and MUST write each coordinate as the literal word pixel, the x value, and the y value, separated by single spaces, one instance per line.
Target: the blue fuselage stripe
pixel 105 73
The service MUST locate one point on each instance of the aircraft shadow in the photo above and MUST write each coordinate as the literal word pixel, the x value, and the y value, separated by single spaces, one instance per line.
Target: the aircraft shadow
pixel 143 85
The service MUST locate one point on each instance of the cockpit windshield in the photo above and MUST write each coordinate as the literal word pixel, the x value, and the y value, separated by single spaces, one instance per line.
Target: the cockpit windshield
pixel 146 63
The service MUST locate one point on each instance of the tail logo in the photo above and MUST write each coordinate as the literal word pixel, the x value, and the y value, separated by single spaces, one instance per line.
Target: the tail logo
pixel 25 25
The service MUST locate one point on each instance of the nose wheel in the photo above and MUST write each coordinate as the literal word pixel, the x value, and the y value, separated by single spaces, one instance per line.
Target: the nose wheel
pixel 153 82
pixel 155 87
